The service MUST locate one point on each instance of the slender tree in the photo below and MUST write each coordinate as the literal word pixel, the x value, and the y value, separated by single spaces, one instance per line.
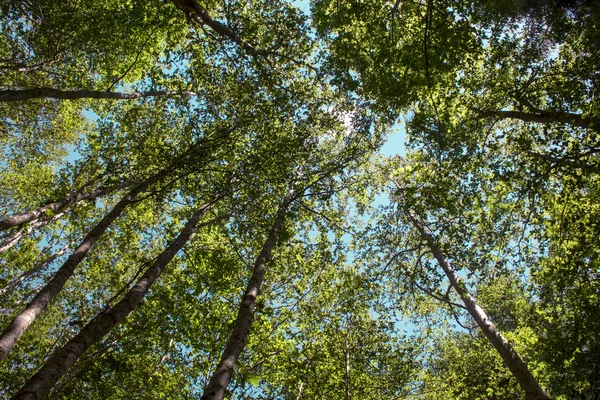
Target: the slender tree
pixel 515 364
pixel 215 390
pixel 24 319
pixel 42 382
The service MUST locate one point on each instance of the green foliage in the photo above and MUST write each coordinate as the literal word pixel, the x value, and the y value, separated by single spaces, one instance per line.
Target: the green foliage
pixel 501 168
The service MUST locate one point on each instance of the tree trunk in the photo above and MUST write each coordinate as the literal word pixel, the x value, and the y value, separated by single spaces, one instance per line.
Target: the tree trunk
pixel 517 367
pixel 38 267
pixel 54 207
pixel 22 321
pixel 546 117
pixel 215 390
pixel 28 94
pixel 58 364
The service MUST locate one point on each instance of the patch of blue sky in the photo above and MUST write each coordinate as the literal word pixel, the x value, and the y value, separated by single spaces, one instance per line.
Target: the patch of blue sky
pixel 73 154
pixel 302 5
pixel 396 141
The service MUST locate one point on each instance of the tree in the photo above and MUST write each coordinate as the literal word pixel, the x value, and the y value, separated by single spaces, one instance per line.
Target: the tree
pixel 511 358
pixel 41 383
pixel 239 335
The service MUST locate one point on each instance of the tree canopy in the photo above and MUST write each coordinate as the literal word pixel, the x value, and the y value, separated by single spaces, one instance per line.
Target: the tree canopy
pixel 195 199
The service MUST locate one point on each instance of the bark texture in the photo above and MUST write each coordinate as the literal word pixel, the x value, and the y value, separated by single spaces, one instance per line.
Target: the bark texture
pixel 517 367
pixel 73 198
pixel 57 365
pixel 546 117
pixel 34 93
pixel 215 390
pixel 39 303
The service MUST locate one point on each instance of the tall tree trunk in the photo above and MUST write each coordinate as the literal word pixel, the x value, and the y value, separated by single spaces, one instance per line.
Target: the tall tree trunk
pixel 73 198
pixel 215 390
pixel 517 367
pixel 38 267
pixel 545 117
pixel 22 321
pixel 12 240
pixel 28 94
pixel 57 365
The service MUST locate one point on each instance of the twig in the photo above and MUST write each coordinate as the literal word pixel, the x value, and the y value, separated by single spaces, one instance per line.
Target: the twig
pixel 335 225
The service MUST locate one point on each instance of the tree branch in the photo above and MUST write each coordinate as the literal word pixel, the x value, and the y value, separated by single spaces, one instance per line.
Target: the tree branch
pixel 545 117
pixel 34 93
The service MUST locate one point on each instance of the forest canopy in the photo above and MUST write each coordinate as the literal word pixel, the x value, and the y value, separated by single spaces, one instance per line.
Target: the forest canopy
pixel 208 199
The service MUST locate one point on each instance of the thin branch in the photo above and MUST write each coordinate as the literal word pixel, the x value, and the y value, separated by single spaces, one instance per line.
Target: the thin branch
pixel 320 214
pixel 137 56
pixel 438 298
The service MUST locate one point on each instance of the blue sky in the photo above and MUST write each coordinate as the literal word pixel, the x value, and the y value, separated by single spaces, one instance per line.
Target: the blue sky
pixel 396 142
